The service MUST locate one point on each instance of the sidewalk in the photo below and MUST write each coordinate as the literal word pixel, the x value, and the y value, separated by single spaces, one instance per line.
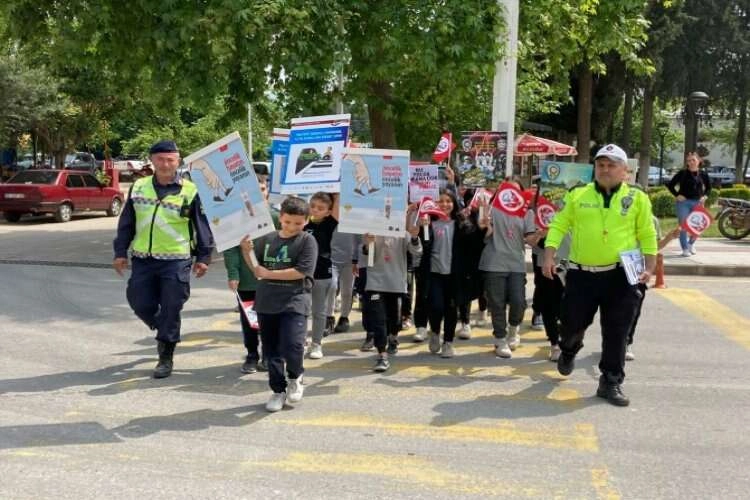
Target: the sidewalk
pixel 714 257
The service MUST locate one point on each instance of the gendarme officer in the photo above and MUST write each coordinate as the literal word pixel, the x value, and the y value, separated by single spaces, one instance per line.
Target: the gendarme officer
pixel 605 217
pixel 164 221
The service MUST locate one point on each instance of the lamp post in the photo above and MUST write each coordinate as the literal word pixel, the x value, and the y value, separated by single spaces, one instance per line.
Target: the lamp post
pixel 661 128
pixel 693 114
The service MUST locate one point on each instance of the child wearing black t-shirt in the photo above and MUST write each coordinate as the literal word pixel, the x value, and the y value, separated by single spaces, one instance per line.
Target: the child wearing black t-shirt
pixel 286 264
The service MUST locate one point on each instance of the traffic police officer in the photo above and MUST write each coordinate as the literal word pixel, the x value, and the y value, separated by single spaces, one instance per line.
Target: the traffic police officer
pixel 605 217
pixel 164 221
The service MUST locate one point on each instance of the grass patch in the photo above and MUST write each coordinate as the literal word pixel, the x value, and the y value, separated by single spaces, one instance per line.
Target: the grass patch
pixel 669 223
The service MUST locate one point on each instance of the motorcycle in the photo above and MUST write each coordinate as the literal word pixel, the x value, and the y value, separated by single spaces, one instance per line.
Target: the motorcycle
pixel 734 218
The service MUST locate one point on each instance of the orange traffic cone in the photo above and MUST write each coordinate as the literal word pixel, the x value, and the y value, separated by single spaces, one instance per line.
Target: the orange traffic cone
pixel 660 272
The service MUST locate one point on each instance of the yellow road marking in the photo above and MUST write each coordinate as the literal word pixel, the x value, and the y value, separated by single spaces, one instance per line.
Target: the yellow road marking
pixel 734 326
pixel 409 469
pixel 582 438
pixel 604 489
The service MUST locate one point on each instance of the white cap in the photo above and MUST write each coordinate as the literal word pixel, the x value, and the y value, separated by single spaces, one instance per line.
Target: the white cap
pixel 613 152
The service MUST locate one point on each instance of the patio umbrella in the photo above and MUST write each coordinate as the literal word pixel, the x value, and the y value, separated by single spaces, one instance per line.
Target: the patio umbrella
pixel 527 145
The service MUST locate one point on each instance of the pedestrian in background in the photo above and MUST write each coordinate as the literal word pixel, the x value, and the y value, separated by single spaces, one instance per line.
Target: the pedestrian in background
pixel 690 187
pixel 164 222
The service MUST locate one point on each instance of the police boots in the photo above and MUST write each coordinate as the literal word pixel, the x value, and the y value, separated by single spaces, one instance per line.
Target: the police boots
pixel 164 367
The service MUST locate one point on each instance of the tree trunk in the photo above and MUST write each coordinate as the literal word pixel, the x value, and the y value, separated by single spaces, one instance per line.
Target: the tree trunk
pixel 382 127
pixel 627 120
pixel 740 141
pixel 644 160
pixel 585 92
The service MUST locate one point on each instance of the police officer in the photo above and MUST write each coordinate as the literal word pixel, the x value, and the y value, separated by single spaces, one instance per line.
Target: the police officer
pixel 605 217
pixel 164 221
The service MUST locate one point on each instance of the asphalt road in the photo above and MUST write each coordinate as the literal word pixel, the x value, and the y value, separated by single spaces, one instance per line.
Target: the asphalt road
pixel 80 416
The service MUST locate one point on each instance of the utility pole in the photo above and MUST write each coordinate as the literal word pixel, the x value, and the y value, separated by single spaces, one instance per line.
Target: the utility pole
pixel 504 86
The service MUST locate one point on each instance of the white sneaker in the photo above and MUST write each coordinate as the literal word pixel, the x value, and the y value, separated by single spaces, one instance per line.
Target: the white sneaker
pixel 465 331
pixel 691 249
pixel 501 348
pixel 420 335
pixel 434 342
pixel 276 402
pixel 316 351
pixel 514 337
pixel 447 351
pixel 686 253
pixel 481 319
pixel 554 353
pixel 295 389
pixel 629 356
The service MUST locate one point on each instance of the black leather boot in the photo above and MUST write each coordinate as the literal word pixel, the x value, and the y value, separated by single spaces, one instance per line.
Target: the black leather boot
pixel 612 392
pixel 164 366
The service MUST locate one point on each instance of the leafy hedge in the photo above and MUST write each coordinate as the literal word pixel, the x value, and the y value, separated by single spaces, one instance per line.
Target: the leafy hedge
pixel 743 193
pixel 663 204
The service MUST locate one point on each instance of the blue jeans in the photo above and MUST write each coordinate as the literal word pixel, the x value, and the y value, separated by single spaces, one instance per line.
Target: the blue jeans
pixel 683 209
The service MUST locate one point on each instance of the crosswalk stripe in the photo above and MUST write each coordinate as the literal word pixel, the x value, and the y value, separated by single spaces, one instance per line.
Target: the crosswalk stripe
pixel 412 470
pixel 581 438
pixel 731 324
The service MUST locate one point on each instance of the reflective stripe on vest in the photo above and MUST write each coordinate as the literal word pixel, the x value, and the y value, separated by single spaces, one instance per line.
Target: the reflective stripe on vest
pixel 161 232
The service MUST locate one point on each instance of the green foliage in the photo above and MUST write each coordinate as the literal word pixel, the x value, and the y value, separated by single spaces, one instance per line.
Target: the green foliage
pixel 555 195
pixel 103 178
pixel 662 204
pixel 655 189
pixel 742 193
pixel 712 197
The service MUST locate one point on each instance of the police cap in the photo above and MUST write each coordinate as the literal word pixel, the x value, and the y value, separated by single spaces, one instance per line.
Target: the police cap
pixel 164 147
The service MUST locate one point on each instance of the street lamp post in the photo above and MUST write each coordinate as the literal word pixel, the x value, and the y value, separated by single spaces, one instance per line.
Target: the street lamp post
pixel 662 134
pixel 693 113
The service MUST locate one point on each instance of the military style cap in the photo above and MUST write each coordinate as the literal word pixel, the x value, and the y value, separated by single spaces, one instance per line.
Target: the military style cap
pixel 164 147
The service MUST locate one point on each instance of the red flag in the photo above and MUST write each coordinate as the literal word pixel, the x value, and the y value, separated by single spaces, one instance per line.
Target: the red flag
pixel 697 222
pixel 545 211
pixel 509 199
pixel 480 195
pixel 444 147
pixel 428 207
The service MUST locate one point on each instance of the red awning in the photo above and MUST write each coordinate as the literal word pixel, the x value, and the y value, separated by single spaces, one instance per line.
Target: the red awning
pixel 527 145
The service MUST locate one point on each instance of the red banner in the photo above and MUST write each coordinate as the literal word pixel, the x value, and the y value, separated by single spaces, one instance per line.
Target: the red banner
pixel 510 200
pixel 545 211
pixel 480 195
pixel 697 222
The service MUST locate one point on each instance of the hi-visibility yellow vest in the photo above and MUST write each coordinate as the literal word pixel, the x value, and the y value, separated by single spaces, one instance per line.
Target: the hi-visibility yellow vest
pixel 600 233
pixel 162 226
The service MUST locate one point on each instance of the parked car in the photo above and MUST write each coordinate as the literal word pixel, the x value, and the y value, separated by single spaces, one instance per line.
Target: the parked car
pixel 654 177
pixel 58 192
pixel 721 175
pixel 81 161
pixel 129 166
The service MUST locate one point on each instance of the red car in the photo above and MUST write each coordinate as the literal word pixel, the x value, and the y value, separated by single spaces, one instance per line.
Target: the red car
pixel 58 192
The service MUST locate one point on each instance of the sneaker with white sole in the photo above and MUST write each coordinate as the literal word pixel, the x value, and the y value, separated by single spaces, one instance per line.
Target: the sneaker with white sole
pixel 316 351
pixel 295 389
pixel 537 323
pixel 368 344
pixel 434 342
pixel 691 249
pixel 554 353
pixel 629 355
pixel 276 402
pixel 686 253
pixel 481 319
pixel 382 364
pixel 501 349
pixel 464 332
pixel 447 350
pixel 421 334
pixel 514 337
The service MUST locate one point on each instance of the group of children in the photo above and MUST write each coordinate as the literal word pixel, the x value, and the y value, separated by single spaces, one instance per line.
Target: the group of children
pixel 460 255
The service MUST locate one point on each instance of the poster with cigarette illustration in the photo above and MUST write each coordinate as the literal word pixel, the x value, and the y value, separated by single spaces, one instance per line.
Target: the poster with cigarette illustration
pixel 229 192
pixel 374 192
